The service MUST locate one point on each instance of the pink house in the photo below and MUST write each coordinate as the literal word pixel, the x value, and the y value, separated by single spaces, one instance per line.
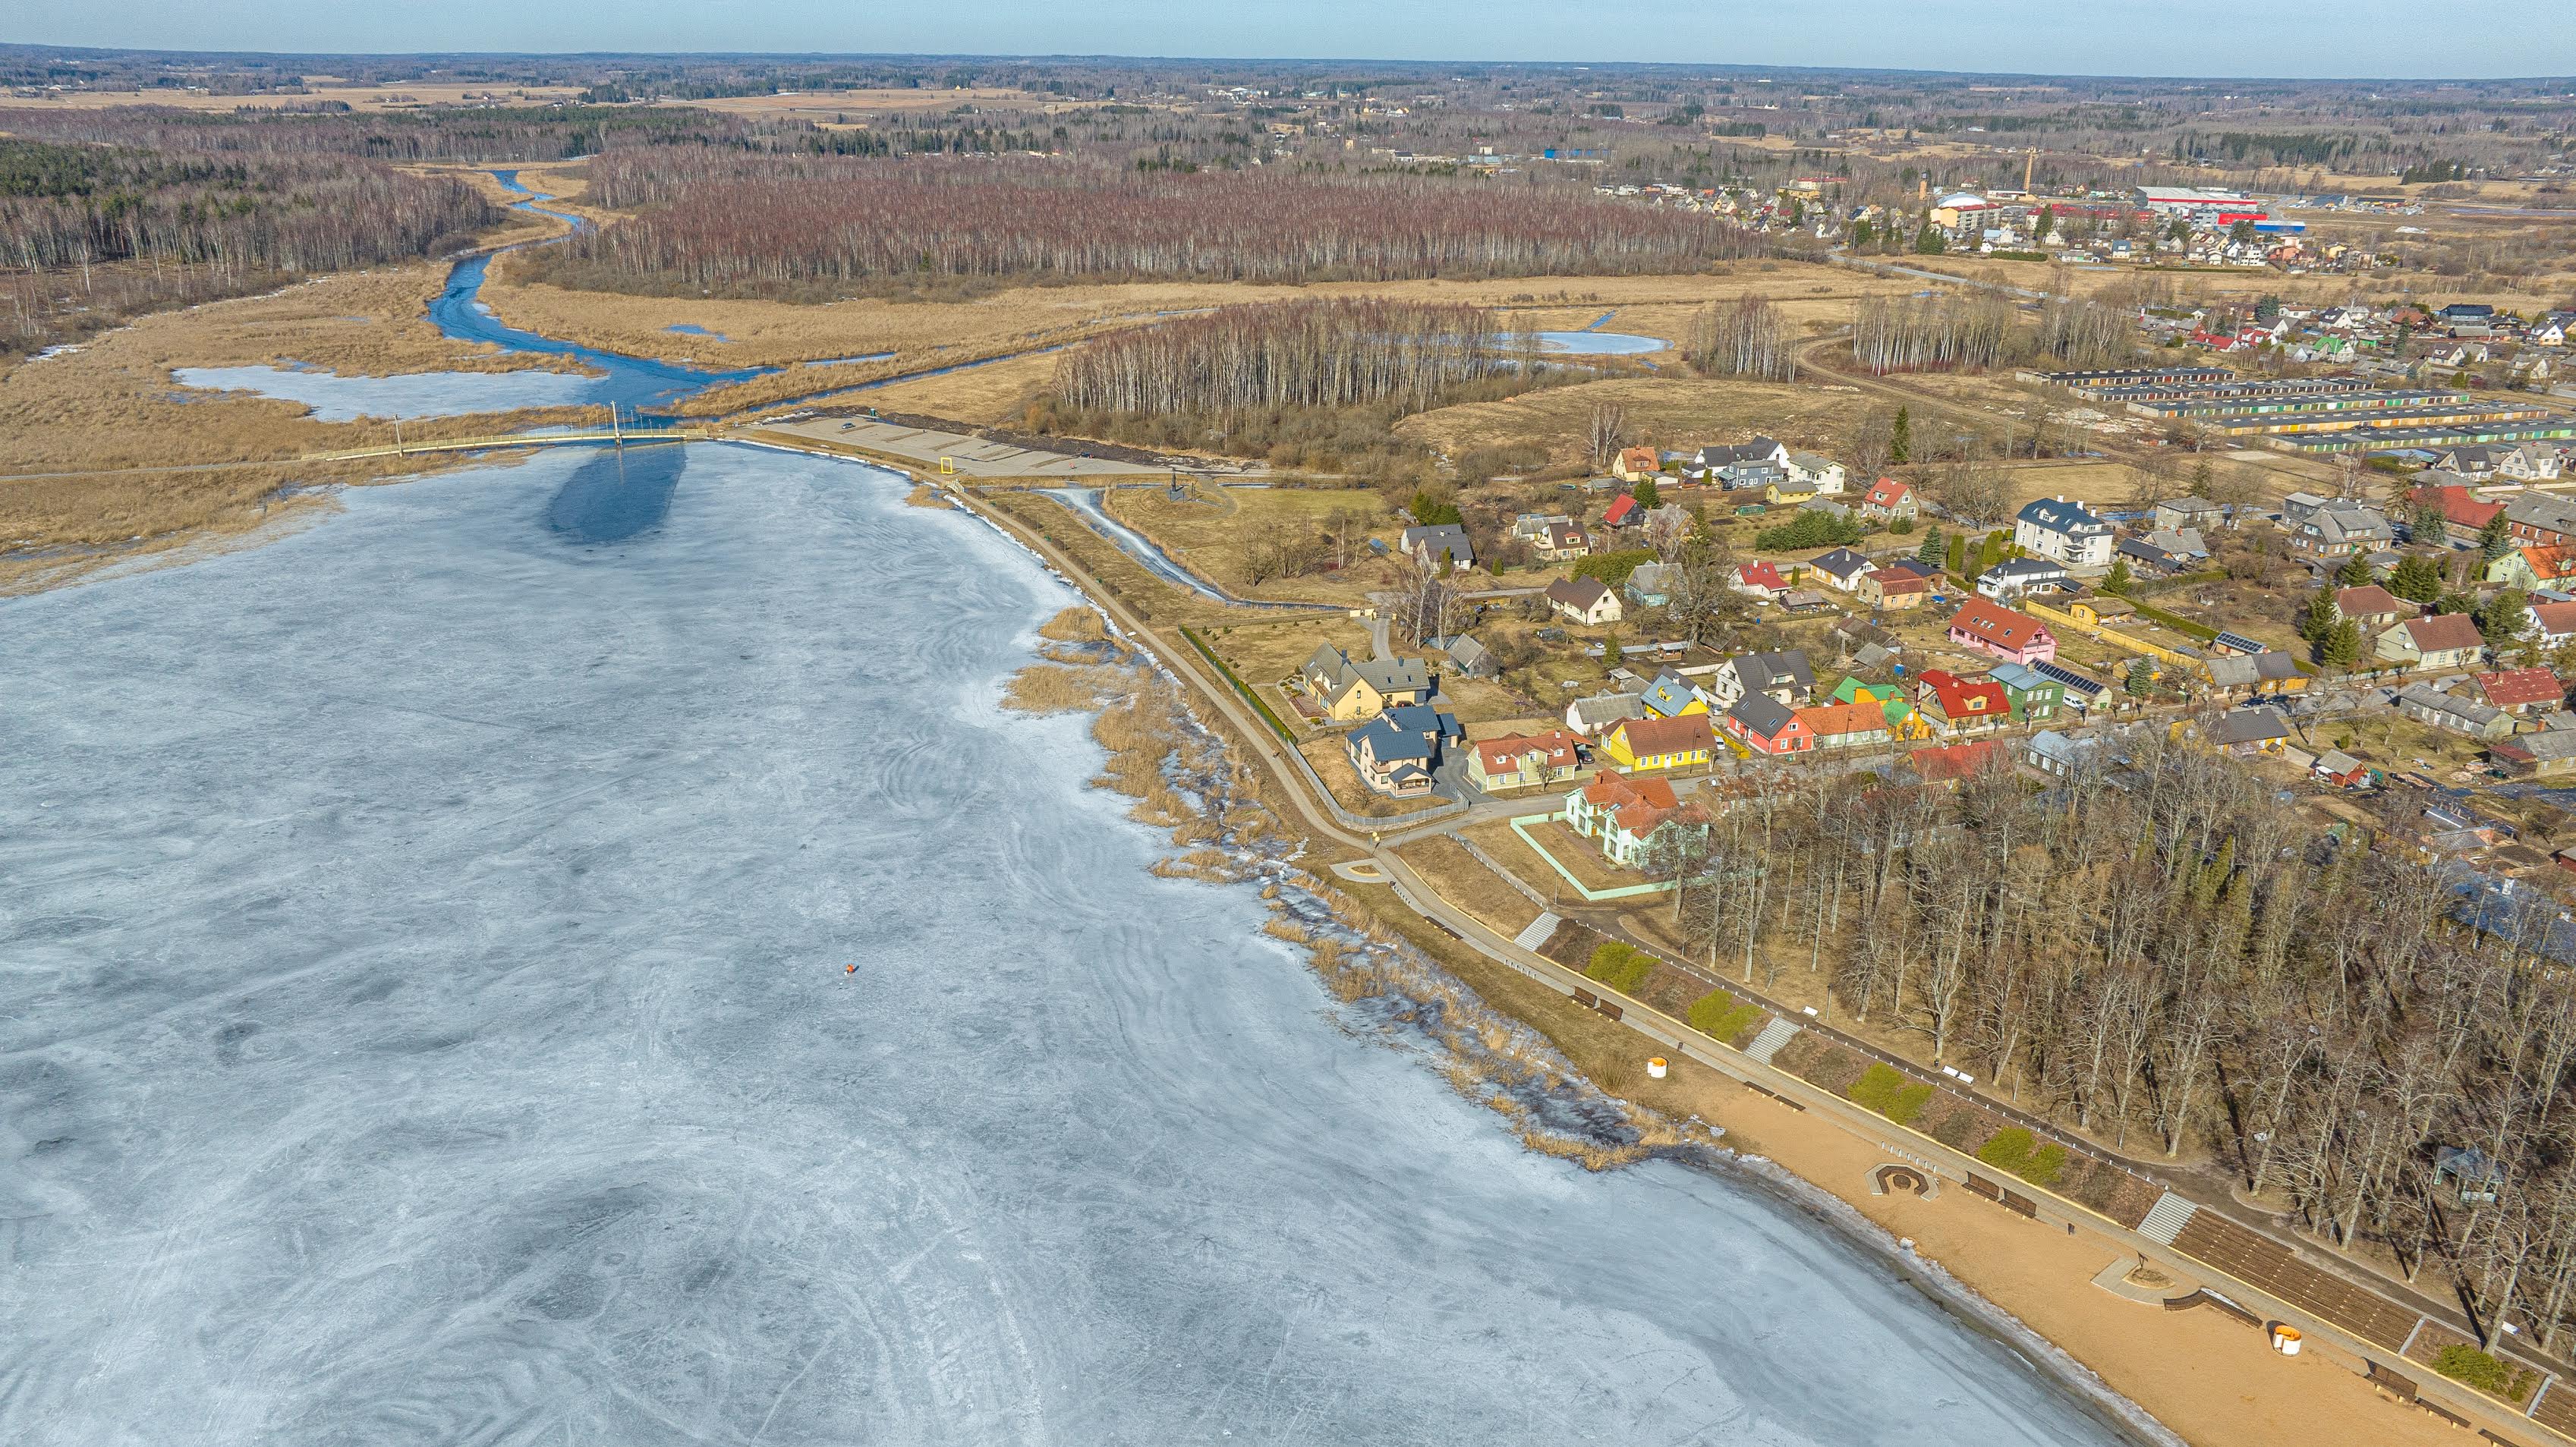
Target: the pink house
pixel 1993 628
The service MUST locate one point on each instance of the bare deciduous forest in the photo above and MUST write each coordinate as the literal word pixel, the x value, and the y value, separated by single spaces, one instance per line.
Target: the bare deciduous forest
pixel 2159 956
pixel 737 223
pixel 1954 330
pixel 1742 338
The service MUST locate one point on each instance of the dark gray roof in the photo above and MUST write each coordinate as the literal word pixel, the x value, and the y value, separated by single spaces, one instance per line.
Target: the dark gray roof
pixel 1761 713
pixel 1841 562
pixel 1387 742
pixel 2061 517
pixel 2249 725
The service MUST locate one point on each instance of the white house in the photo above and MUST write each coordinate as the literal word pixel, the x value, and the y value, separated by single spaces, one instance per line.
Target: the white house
pixel 2054 527
pixel 1824 474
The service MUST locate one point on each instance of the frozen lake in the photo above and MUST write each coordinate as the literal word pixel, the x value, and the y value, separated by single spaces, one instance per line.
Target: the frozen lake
pixel 423 1020
pixel 335 398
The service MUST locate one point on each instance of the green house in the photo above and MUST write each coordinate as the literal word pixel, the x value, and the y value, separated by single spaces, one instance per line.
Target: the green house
pixel 1886 695
pixel 2035 696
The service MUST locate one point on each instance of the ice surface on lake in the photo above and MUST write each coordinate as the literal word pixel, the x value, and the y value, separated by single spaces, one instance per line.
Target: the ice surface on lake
pixel 334 398
pixel 1597 344
pixel 423 1020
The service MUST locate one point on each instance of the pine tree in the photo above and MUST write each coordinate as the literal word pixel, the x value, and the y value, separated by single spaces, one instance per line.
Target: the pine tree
pixel 2141 680
pixel 2416 579
pixel 2320 618
pixel 2117 581
pixel 1935 548
pixel 2495 539
pixel 2354 572
pixel 2343 645
pixel 1645 493
pixel 1900 443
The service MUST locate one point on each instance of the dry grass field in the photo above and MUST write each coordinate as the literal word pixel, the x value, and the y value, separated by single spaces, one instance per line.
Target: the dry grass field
pixel 1661 411
pixel 1217 538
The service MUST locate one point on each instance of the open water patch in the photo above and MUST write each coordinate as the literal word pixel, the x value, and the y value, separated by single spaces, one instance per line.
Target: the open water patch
pixel 617 494
pixel 1588 343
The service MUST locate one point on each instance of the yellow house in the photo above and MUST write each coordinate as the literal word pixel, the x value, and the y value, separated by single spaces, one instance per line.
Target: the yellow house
pixel 1671 697
pixel 1660 743
pixel 1789 492
pixel 2098 613
pixel 1348 691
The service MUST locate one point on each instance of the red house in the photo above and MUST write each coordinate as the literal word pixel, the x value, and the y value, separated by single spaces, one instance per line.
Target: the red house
pixel 1956 705
pixel 1768 726
pixel 1991 627
pixel 1762 580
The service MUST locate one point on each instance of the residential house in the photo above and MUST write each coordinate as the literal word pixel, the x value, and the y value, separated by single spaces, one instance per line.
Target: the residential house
pixel 1889 500
pixel 2057 754
pixel 1650 585
pixel 1785 677
pixel 2540 517
pixel 2166 551
pixel 2520 690
pixel 1473 659
pixel 2532 568
pixel 1523 761
pixel 1889 699
pixel 2445 640
pixel 2553 329
pixel 2553 623
pixel 1587 601
pixel 1639 744
pixel 1671 697
pixel 2428 705
pixel 1345 690
pixel 1632 819
pixel 1588 717
pixel 1760 452
pixel 2055 527
pixel 1559 542
pixel 1990 627
pixel 1957 763
pixel 2084 692
pixel 2017 578
pixel 1789 492
pixel 1437 545
pixel 1396 752
pixel 2548 754
pixel 2261 729
pixel 2099 611
pixel 1767 726
pixel 1842 568
pixel 1953 706
pixel 1529 525
pixel 2194 513
pixel 1759 580
pixel 2497 462
pixel 2372 606
pixel 2464 514
pixel 2340 529
pixel 2342 770
pixel 1855 725
pixel 1892 588
pixel 2238 675
pixel 1623 512
pixel 2035 697
pixel 1822 475
pixel 1635 464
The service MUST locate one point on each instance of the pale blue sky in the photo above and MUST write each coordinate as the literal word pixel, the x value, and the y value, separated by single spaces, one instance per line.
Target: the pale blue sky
pixel 2097 37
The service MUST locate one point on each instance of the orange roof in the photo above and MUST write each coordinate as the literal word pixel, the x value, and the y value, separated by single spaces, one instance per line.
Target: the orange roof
pixel 1886 492
pixel 1643 817
pixel 2554 562
pixel 1613 792
pixel 1832 719
pixel 1898 580
pixel 1651 736
pixel 1996 624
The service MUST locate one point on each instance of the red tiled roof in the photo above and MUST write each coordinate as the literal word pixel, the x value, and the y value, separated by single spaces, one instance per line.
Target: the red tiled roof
pixel 2459 506
pixel 1958 761
pixel 1898 580
pixel 2443 631
pixel 1620 511
pixel 2553 562
pixel 1762 575
pixel 1610 791
pixel 1886 492
pixel 1975 697
pixel 2512 687
pixel 1651 736
pixel 1996 624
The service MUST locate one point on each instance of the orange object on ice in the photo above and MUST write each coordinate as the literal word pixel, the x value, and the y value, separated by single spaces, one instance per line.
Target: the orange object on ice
pixel 851 970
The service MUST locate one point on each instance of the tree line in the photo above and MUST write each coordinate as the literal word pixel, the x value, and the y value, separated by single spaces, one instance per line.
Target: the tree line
pixel 738 222
pixel 1742 338
pixel 2154 952
pixel 1324 353
pixel 1948 330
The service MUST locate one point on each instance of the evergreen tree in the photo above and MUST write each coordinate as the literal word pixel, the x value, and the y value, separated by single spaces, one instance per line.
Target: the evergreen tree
pixel 1900 441
pixel 2507 616
pixel 1610 650
pixel 2416 579
pixel 2429 523
pixel 1935 548
pixel 2354 572
pixel 2116 583
pixel 2320 618
pixel 2495 539
pixel 2141 680
pixel 1645 492
pixel 2343 645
